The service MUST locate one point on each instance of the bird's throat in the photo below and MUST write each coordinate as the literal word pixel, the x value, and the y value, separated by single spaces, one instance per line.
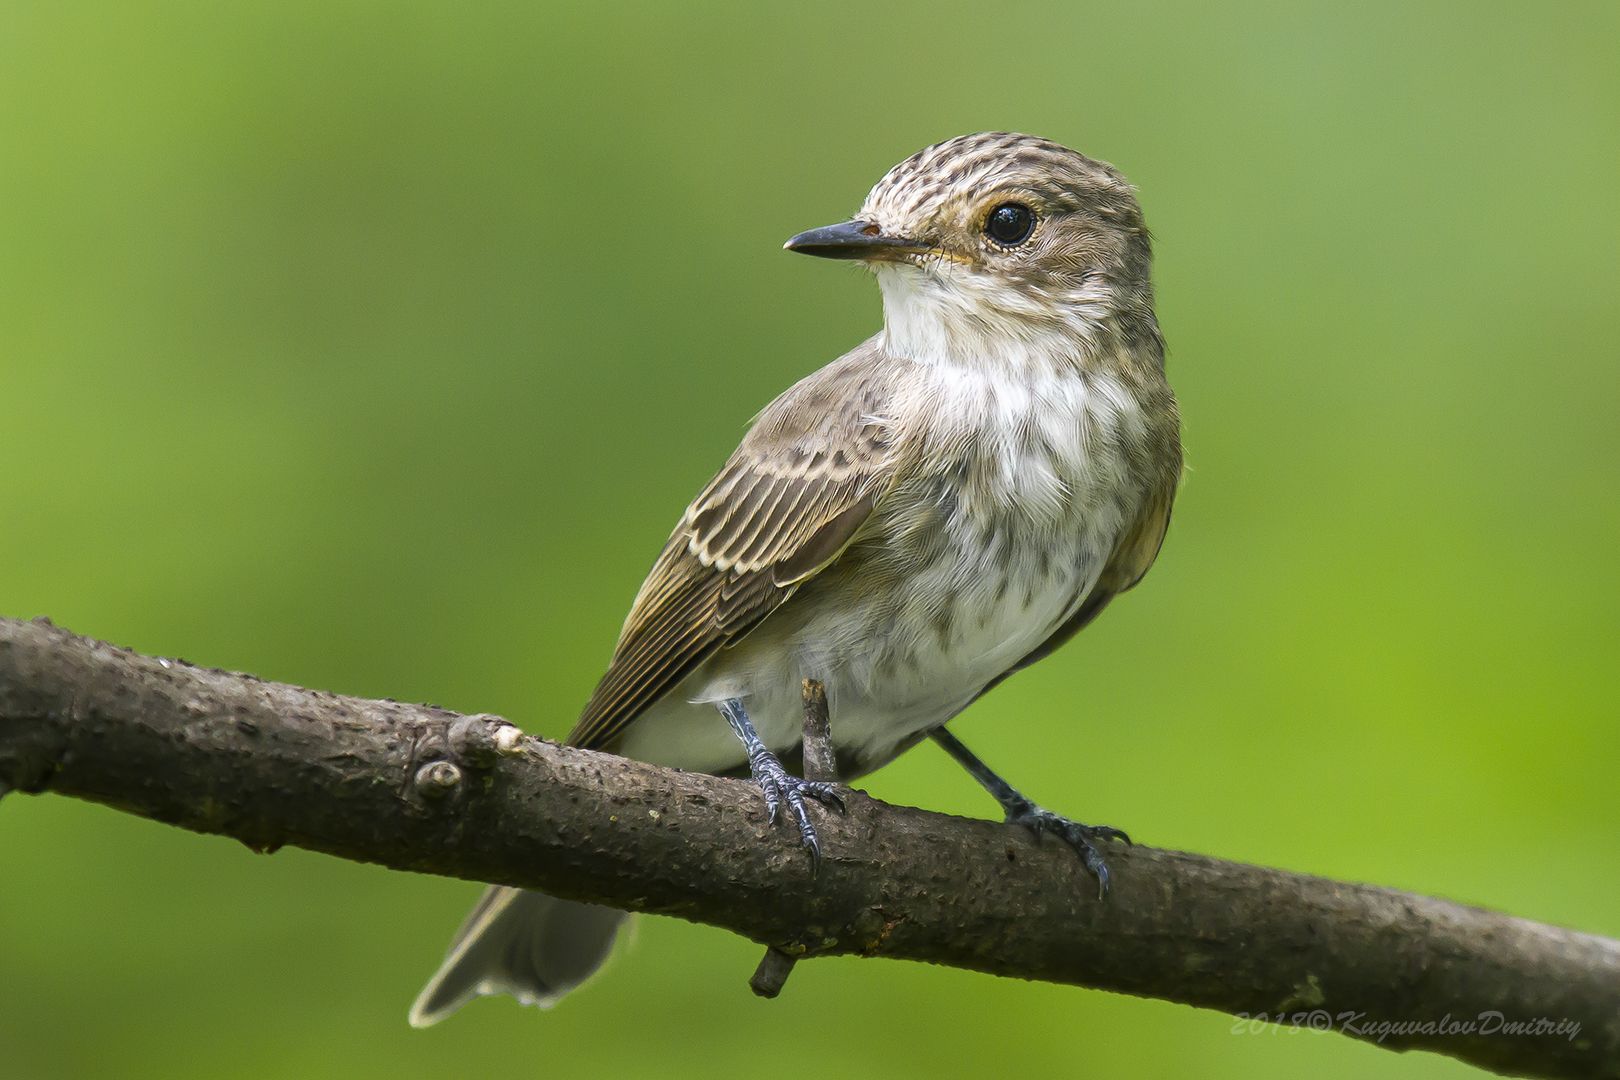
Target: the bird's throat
pixel 976 321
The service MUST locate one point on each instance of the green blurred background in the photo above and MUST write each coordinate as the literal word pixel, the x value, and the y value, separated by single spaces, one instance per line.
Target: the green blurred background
pixel 376 346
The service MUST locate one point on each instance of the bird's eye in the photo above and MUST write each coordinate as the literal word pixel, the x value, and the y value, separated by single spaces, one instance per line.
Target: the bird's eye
pixel 1010 224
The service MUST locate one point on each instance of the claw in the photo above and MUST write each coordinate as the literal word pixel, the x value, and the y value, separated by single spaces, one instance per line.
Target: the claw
pixel 1080 837
pixel 1108 832
pixel 780 786
pixel 827 795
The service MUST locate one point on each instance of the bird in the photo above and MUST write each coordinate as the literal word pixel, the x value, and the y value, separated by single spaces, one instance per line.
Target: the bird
pixel 944 505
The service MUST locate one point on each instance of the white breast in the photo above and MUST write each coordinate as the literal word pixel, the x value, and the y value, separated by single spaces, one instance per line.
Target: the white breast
pixel 1038 493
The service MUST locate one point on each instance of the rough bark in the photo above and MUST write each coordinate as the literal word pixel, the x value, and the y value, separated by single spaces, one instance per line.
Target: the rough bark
pixel 420 788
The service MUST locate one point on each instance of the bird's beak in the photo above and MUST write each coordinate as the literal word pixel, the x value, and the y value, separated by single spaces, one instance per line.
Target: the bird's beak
pixel 854 240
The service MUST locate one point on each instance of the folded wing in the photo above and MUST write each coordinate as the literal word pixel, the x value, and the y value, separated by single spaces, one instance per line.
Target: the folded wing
pixel 792 497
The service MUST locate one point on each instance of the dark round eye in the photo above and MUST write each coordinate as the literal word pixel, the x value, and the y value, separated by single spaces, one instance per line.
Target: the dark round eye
pixel 1010 224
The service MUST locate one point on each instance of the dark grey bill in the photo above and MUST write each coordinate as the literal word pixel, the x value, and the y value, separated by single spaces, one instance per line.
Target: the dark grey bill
pixel 852 240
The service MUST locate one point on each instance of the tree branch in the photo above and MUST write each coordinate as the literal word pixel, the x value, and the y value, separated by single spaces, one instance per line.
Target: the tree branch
pixel 419 788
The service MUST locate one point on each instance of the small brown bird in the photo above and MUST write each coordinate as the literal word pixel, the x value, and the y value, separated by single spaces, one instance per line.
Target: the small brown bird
pixel 944 505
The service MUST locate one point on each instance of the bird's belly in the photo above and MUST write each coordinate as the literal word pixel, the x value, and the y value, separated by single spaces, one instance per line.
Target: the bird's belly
pixel 900 651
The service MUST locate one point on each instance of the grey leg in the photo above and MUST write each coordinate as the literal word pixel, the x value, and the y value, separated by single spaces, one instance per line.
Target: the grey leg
pixel 1021 810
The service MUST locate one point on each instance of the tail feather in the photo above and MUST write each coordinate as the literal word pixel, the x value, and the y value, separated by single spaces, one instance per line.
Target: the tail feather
pixel 527 944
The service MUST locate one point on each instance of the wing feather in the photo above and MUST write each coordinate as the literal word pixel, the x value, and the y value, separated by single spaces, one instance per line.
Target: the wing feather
pixel 739 539
pixel 784 507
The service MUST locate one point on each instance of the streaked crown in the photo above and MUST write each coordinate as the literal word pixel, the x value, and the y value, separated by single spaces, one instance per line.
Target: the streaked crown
pixel 943 177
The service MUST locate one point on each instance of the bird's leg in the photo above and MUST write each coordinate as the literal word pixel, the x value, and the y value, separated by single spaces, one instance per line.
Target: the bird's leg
pixel 1022 811
pixel 779 785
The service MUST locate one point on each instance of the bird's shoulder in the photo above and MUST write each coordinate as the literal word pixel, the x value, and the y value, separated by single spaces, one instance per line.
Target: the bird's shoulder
pixel 826 445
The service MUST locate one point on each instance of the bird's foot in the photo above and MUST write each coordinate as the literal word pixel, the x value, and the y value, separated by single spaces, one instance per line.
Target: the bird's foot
pixel 1083 838
pixel 782 788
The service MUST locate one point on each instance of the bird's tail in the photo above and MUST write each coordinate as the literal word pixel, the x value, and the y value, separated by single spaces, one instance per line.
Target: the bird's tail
pixel 527 944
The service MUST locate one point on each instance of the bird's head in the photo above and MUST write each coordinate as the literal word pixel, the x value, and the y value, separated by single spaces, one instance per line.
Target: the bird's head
pixel 997 241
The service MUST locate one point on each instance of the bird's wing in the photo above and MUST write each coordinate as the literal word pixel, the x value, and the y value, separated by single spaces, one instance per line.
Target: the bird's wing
pixel 784 507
